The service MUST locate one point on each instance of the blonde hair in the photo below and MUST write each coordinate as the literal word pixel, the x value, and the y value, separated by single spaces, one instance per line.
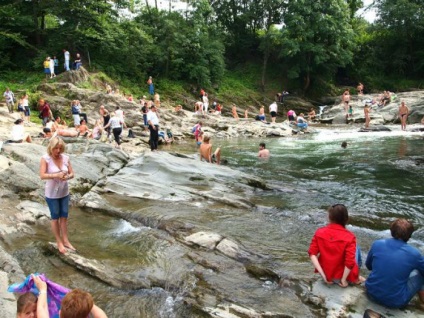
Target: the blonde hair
pixel 54 142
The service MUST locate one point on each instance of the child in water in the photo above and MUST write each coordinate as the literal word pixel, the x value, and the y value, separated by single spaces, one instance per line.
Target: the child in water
pixel 27 306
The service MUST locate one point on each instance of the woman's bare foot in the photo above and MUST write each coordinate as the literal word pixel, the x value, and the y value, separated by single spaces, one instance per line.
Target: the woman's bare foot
pixel 61 248
pixel 69 246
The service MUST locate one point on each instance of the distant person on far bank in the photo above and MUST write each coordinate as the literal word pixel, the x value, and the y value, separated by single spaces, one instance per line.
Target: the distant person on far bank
pixel 312 114
pixel 360 88
pixel 51 66
pixel 46 66
pixel 151 86
pixel 403 115
pixel 10 99
pixel 67 56
pixel 273 111
pixel 367 110
pixel 346 100
pixel 77 62
pixel 263 152
pixel 397 268
pixel 291 115
pixel 234 111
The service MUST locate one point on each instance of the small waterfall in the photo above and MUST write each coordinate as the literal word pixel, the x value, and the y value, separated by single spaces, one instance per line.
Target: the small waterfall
pixel 321 108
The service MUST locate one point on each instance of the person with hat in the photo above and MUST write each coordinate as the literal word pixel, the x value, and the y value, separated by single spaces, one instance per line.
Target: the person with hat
pixel 153 122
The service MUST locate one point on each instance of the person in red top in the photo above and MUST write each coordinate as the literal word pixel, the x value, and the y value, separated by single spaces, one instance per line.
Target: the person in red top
pixel 333 250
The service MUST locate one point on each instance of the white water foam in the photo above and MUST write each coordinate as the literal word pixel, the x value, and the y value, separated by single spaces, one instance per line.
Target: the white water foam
pixel 125 227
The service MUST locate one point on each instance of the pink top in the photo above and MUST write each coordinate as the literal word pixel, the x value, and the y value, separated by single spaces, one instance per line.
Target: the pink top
pixel 56 188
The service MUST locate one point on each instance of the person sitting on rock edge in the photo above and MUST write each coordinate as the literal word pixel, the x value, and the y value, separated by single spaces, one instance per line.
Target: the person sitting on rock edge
pixel 333 250
pixel 205 151
pixel 397 268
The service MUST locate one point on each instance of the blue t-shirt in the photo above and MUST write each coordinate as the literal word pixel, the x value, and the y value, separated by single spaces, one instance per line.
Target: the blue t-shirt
pixel 391 261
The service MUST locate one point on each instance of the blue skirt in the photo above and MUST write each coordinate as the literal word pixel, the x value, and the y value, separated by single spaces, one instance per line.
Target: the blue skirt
pixel 47 71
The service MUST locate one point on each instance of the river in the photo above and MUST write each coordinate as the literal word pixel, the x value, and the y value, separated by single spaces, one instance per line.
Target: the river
pixel 378 177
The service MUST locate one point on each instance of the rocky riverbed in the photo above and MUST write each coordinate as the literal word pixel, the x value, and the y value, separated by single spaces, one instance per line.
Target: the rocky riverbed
pixel 204 259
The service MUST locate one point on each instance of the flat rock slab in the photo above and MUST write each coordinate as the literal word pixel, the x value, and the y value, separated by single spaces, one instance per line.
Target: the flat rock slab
pixel 100 271
pixel 352 302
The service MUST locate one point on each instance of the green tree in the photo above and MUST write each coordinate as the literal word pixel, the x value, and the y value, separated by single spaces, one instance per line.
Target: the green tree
pixel 317 38
pixel 400 43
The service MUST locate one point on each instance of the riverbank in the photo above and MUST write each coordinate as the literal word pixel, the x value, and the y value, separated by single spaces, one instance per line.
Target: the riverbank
pixel 193 220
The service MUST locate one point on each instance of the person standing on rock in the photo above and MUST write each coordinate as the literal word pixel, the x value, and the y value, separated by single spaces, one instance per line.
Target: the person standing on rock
pixel 346 100
pixel 403 115
pixel 10 99
pixel 45 111
pixel 273 111
pixel 56 169
pixel 153 121
pixel 151 86
pixel 67 56
pixel 367 110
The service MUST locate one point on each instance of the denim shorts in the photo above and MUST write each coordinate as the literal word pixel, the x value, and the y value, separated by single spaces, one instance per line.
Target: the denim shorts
pixel 58 207
pixel 415 282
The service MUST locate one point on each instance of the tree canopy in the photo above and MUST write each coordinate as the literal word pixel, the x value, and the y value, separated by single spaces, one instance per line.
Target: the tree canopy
pixel 303 41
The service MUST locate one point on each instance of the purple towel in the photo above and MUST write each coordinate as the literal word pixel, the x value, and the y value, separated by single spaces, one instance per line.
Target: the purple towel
pixel 55 292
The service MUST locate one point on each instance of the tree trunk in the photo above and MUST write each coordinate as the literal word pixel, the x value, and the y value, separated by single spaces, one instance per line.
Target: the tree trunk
pixel 35 21
pixel 266 57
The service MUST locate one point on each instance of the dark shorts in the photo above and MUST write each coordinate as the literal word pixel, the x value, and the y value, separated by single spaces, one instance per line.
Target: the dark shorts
pixel 273 114
pixel 291 117
pixel 59 208
pixel 27 111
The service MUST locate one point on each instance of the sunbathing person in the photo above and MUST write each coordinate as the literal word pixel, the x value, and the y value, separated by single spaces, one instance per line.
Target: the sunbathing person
pixel 83 129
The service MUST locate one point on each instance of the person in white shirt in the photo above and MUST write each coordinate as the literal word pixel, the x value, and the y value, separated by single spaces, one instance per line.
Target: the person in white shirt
pixel 205 101
pixel 51 66
pixel 67 58
pixel 18 133
pixel 273 111
pixel 153 121
pixel 115 123
pixel 9 97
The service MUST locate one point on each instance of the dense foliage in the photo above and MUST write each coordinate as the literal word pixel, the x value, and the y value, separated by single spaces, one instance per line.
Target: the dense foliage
pixel 305 42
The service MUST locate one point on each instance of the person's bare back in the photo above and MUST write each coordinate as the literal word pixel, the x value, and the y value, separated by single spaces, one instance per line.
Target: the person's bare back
pixel 205 151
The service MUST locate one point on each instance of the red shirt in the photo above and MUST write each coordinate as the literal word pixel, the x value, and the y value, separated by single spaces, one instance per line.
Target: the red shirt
pixel 336 248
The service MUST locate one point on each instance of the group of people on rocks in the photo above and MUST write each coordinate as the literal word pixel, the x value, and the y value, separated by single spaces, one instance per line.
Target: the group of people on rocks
pixel 383 99
pixel 51 65
pixel 397 268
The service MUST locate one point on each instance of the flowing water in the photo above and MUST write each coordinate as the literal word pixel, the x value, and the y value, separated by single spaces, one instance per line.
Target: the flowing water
pixel 379 177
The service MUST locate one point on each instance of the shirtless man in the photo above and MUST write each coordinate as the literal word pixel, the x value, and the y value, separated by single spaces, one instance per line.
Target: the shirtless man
pixel 360 89
pixel 403 115
pixel 263 152
pixel 367 115
pixel 234 111
pixel 83 129
pixel 205 151
pixel 346 100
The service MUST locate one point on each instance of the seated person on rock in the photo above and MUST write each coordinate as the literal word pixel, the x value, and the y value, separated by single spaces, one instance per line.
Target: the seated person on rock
pixel 18 133
pixel 205 151
pixel 163 137
pixel 333 250
pixel 312 115
pixel 261 115
pixel 83 129
pixel 397 268
pixel 301 122
pixel 97 130
pixel 59 124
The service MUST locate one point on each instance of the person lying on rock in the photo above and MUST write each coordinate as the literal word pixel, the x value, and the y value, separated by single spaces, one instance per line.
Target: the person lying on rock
pixel 333 250
pixel 397 268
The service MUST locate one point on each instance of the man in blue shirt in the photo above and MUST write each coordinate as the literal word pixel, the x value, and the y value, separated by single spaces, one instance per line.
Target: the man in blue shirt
pixel 397 269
